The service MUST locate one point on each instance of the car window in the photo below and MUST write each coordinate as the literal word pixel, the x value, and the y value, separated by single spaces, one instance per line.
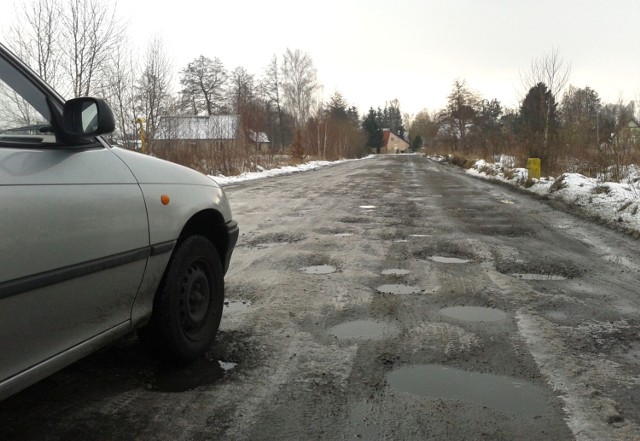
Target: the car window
pixel 25 117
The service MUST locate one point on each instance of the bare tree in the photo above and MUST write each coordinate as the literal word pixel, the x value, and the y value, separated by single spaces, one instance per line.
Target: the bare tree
pixel 120 91
pixel 551 71
pixel 35 38
pixel 241 90
pixel 91 31
pixel 153 88
pixel 460 113
pixel 203 82
pixel 299 84
pixel 271 89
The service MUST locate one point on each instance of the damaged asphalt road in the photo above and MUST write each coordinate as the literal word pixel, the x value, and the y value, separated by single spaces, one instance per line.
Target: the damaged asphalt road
pixel 389 298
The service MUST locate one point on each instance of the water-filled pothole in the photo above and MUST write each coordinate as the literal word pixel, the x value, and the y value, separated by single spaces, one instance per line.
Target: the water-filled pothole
pixel 395 272
pixel 236 306
pixel 398 289
pixel 363 329
pixel 505 394
pixel 443 259
pixel 368 207
pixel 537 276
pixel 318 269
pixel 474 313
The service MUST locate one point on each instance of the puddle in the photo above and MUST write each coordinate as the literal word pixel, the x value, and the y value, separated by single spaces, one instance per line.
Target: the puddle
pixel 505 394
pixel 199 373
pixel 419 235
pixel 363 329
pixel 343 234
pixel 507 201
pixel 368 207
pixel 441 259
pixel 236 306
pixel 395 272
pixel 318 269
pixel 537 276
pixel 474 313
pixel 398 289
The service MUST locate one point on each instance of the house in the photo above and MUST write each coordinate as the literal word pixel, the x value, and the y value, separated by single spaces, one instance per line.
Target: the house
pixel 392 143
pixel 633 130
pixel 201 134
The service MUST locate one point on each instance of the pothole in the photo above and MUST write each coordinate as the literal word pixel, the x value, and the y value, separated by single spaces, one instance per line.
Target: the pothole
pixel 236 306
pixel 355 220
pixel 531 276
pixel 443 259
pixel 444 252
pixel 398 289
pixel 274 239
pixel 363 329
pixel 474 313
pixel 536 269
pixel 395 272
pixel 504 394
pixel 181 378
pixel 318 269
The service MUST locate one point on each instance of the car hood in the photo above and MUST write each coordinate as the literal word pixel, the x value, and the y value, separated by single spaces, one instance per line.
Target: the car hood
pixel 150 170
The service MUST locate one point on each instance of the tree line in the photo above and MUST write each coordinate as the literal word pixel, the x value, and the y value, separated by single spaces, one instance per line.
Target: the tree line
pixel 568 128
pixel 78 46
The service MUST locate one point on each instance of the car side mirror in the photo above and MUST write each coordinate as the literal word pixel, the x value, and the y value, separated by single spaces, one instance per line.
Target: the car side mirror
pixel 87 117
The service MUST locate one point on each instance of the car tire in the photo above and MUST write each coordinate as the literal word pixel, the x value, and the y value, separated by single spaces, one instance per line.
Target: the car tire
pixel 188 304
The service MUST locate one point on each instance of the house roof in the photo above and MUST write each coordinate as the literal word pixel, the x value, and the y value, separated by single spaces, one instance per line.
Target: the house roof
pixel 388 135
pixel 219 127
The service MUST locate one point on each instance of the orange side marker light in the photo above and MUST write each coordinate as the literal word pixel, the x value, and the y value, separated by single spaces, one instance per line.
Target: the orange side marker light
pixel 165 199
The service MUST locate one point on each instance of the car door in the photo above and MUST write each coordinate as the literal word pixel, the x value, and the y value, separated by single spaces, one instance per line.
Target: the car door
pixel 73 231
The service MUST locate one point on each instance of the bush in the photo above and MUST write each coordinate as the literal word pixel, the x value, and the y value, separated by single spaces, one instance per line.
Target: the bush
pixel 559 184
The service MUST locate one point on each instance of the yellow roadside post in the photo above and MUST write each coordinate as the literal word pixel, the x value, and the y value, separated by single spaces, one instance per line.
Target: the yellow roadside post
pixel 533 166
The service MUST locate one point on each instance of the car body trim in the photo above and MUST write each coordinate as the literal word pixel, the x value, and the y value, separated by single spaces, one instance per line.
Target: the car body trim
pixel 36 281
pixel 161 248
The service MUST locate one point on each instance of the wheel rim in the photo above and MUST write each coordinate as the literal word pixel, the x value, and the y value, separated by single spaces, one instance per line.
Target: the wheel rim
pixel 195 298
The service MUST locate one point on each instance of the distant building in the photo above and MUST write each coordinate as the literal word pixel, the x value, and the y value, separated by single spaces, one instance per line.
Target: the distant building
pixel 199 134
pixel 392 143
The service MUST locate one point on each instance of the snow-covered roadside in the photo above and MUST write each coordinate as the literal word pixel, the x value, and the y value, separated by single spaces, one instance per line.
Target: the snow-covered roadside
pixel 617 204
pixel 264 173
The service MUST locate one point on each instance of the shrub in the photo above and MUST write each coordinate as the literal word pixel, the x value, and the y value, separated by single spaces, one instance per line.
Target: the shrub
pixel 559 184
pixel 601 189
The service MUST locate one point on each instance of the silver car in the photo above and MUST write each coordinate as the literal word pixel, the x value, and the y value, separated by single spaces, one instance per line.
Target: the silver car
pixel 97 241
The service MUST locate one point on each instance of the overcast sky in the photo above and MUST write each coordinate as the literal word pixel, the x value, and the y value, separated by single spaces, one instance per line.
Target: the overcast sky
pixel 374 51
